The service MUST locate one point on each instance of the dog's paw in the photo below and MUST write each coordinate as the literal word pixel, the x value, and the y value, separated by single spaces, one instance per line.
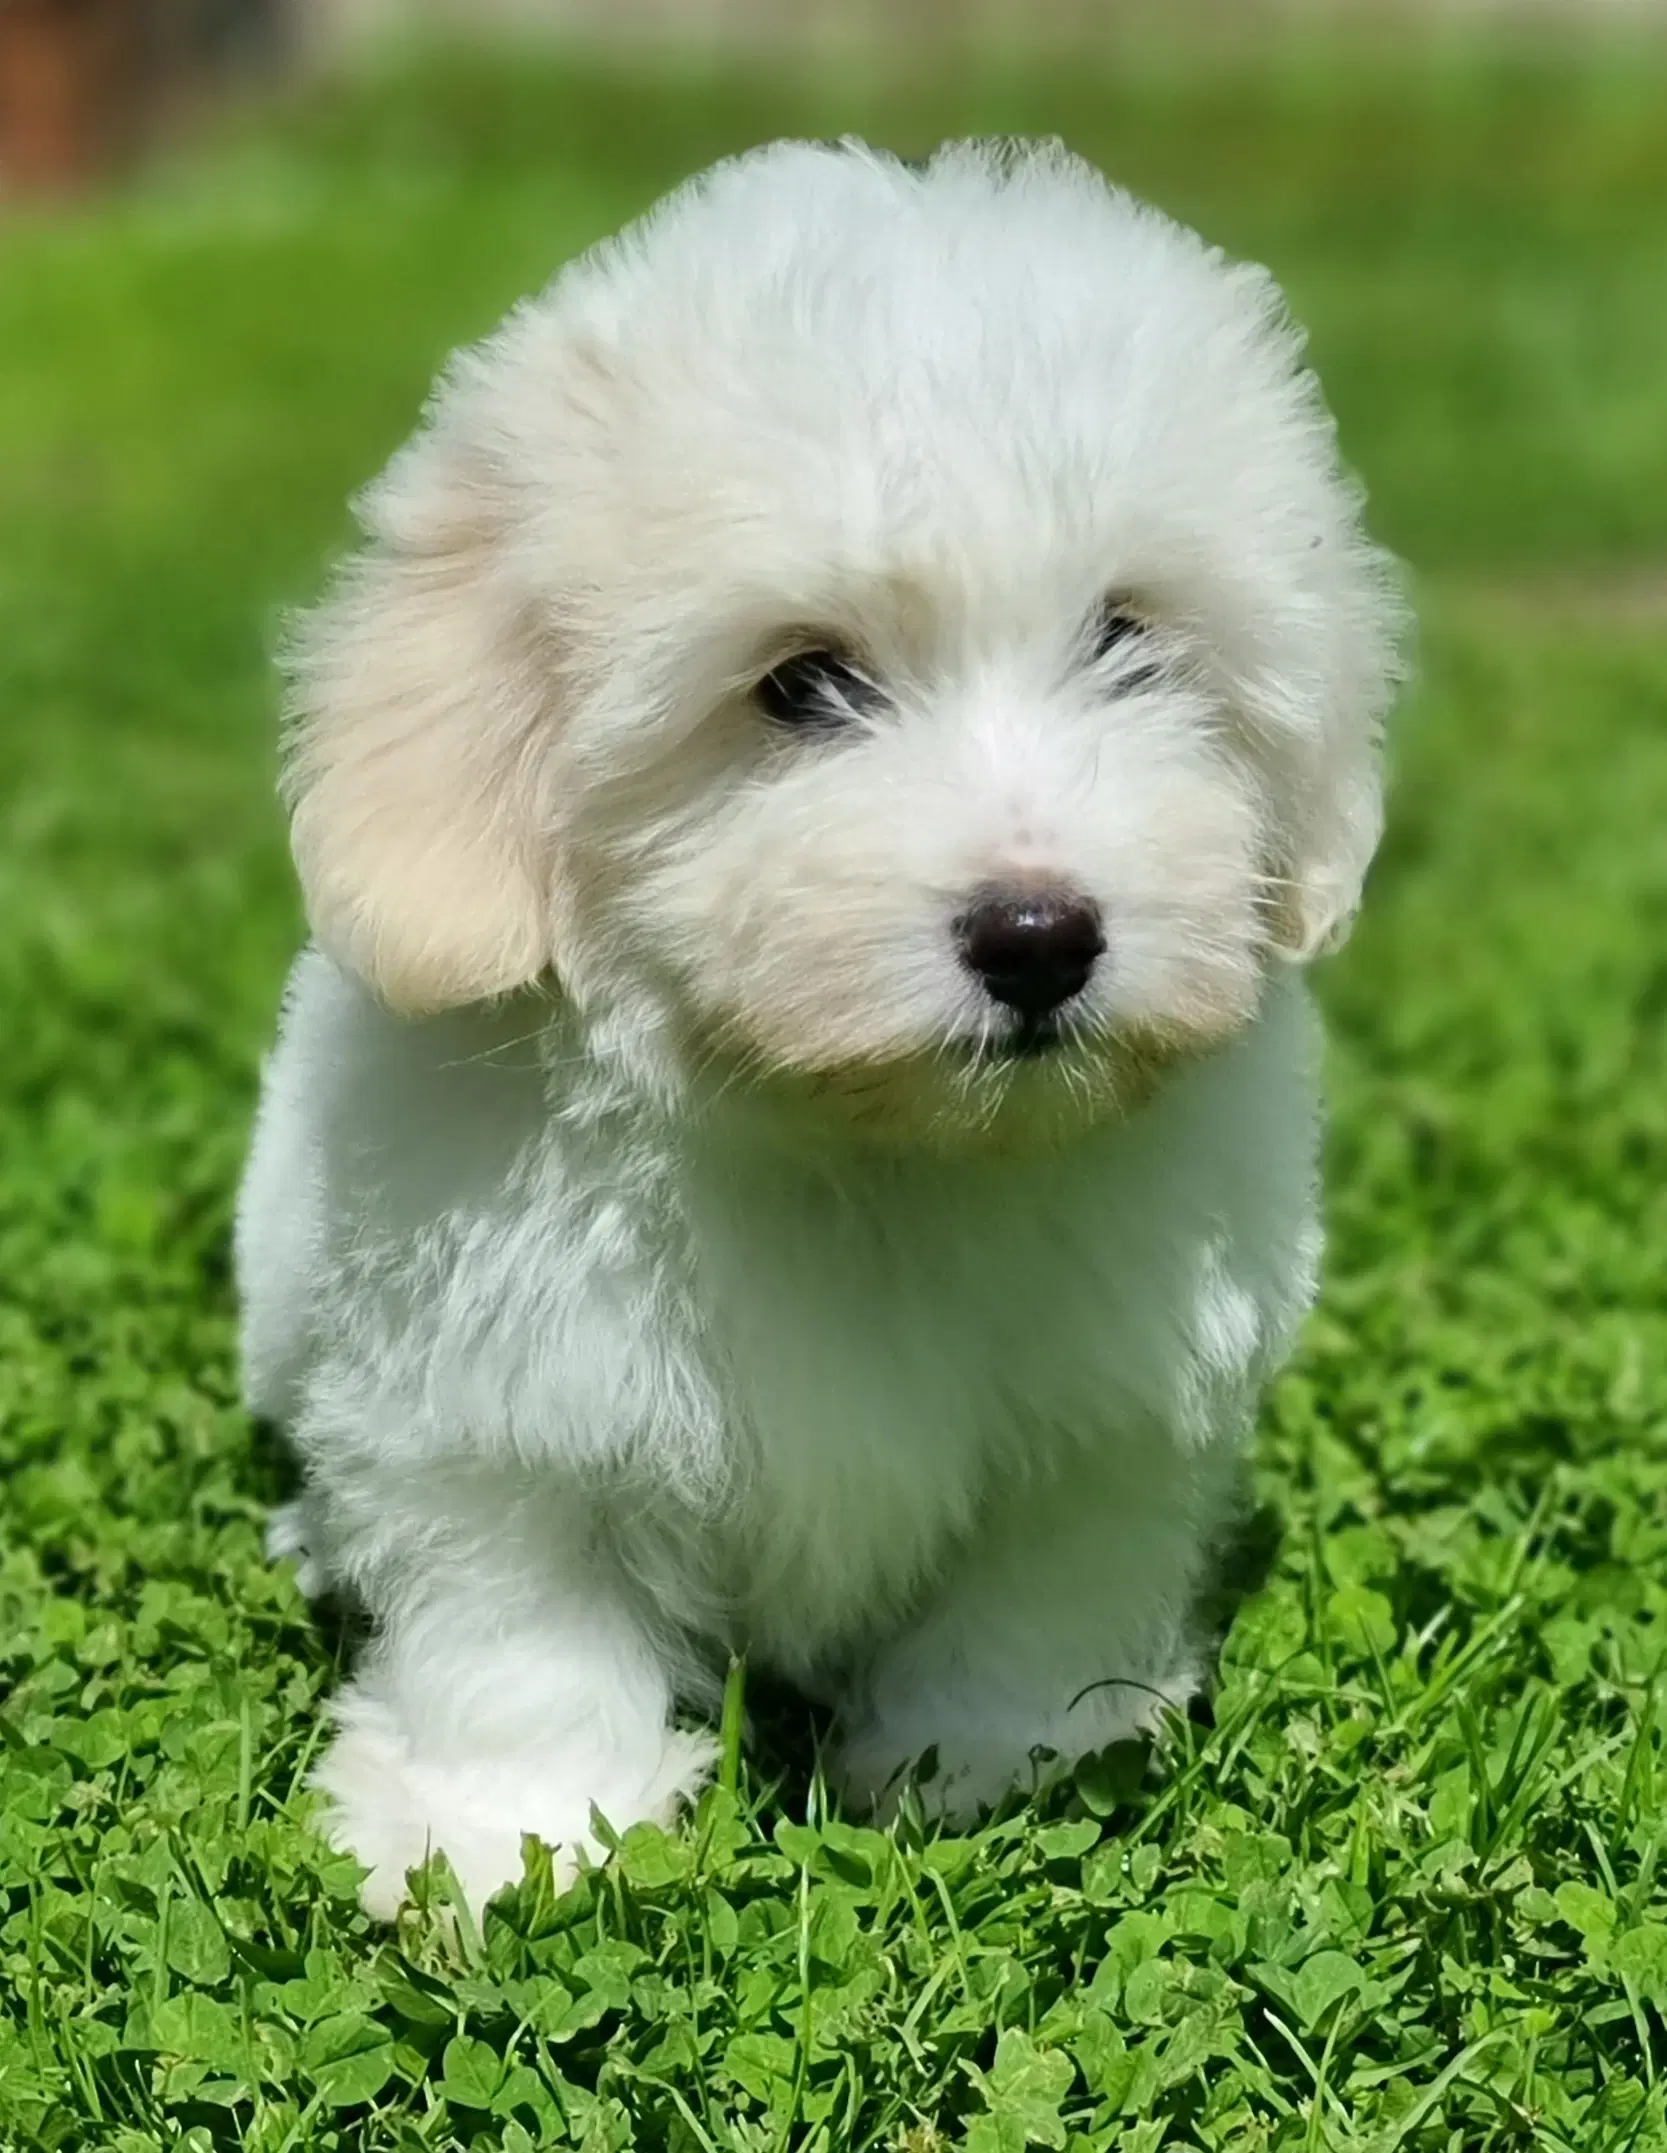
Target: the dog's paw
pixel 391 1806
pixel 951 1782
pixel 391 1810
pixel 957 1773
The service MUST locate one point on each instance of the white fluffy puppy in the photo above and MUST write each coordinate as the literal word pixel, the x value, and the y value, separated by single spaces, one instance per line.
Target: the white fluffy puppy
pixel 796 1134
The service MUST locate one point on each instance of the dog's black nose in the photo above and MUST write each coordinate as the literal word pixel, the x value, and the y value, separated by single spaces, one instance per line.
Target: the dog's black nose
pixel 1033 949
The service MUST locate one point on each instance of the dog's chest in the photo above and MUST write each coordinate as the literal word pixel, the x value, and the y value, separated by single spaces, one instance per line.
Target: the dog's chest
pixel 889 1360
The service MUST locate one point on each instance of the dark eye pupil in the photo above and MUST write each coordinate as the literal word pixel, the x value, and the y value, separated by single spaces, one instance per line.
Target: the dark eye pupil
pixel 1114 625
pixel 816 687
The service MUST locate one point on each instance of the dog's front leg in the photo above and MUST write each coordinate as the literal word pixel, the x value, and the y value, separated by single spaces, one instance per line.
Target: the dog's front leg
pixel 1067 1623
pixel 512 1684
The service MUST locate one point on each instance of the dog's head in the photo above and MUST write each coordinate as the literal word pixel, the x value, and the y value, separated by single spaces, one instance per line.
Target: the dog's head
pixel 896 637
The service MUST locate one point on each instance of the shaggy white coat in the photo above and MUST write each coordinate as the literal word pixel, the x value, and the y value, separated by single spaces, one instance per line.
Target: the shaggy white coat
pixel 648 1246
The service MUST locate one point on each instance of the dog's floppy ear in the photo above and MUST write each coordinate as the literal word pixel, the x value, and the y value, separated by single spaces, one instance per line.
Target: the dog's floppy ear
pixel 1318 895
pixel 416 722
pixel 1328 766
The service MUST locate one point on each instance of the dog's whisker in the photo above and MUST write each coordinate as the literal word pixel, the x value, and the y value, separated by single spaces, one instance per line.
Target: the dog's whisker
pixel 499 1048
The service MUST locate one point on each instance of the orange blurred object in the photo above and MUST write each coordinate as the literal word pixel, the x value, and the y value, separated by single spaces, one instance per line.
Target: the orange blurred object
pixel 70 90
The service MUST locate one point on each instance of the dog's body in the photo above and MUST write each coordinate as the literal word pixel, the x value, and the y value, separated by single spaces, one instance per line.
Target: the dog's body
pixel 868 1255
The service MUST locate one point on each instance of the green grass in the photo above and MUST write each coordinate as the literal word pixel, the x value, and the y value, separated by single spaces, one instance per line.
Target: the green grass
pixel 1405 1895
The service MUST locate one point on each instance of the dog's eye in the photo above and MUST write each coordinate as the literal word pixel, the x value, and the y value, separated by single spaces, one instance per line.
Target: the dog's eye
pixel 817 687
pixel 1117 635
pixel 1115 624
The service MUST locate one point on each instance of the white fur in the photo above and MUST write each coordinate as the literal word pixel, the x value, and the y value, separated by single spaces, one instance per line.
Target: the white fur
pixel 642 1246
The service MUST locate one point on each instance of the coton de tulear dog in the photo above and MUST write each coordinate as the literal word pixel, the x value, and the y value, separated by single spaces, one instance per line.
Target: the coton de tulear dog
pixel 797 1133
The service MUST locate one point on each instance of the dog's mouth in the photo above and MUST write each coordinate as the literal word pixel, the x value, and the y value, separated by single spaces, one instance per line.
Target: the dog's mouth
pixel 1026 1043
pixel 1027 1039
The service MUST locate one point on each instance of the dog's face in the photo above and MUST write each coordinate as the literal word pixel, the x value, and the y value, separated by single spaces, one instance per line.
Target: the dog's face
pixel 895 639
pixel 948 857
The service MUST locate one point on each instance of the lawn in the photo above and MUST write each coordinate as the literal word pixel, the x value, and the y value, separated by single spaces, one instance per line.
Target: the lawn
pixel 1405 1893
